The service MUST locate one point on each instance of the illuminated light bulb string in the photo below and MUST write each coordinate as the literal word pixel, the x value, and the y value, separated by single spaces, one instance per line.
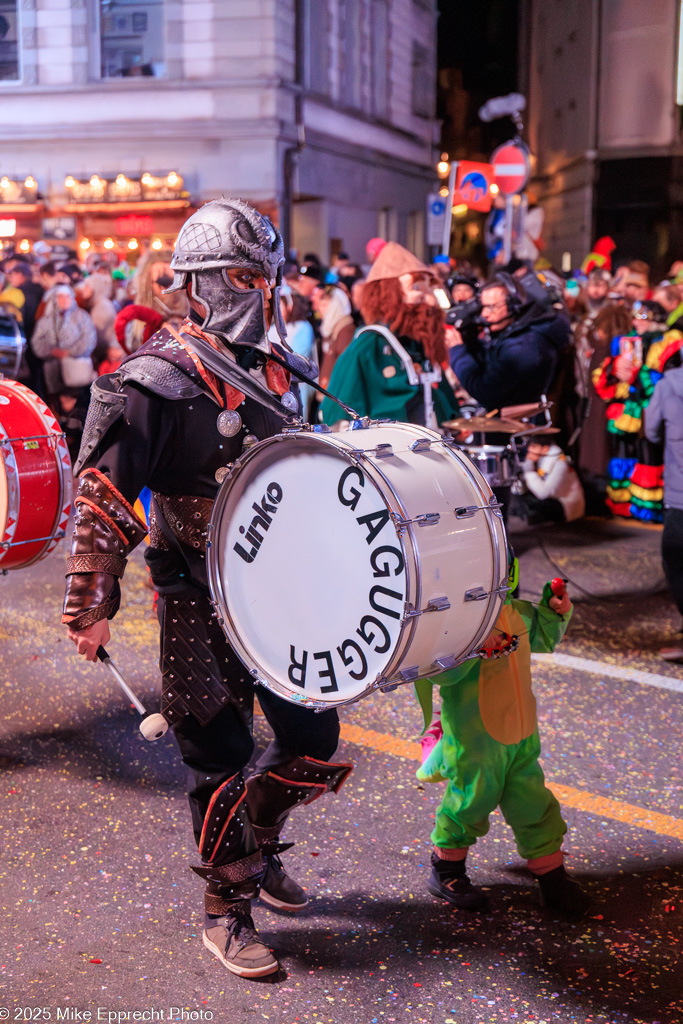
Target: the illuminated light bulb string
pixel 122 184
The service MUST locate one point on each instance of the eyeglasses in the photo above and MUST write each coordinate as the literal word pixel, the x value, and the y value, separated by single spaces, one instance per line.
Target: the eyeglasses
pixel 494 305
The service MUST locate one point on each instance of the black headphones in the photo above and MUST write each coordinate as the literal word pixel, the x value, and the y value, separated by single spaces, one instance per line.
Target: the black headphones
pixel 514 298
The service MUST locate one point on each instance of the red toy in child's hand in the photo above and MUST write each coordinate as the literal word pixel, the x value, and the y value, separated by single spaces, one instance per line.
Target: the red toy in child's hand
pixel 558 586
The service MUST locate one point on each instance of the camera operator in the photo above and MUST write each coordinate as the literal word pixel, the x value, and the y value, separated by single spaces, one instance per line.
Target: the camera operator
pixel 465 312
pixel 525 341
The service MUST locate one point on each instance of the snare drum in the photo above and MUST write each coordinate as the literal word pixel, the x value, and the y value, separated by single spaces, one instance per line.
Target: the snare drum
pixel 493 462
pixel 340 563
pixel 35 478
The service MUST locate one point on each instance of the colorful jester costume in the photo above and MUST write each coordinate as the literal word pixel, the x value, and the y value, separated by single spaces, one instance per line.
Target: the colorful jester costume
pixel 488 757
pixel 635 471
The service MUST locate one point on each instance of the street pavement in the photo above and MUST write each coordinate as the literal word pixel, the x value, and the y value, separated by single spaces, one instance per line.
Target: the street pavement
pixel 102 916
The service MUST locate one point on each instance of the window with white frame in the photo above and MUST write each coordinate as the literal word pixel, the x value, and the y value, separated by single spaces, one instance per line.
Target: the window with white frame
pixel 9 40
pixel 131 38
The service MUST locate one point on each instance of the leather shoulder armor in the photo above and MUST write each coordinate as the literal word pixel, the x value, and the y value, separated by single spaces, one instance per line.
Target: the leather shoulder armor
pixel 107 404
pixel 160 377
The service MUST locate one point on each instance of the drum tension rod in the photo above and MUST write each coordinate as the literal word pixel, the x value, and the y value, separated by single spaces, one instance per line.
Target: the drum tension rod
pixel 467 511
pixel 437 604
pixel 427 519
pixel 479 594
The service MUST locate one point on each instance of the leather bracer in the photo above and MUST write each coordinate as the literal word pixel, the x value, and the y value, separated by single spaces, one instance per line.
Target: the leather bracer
pixel 106 529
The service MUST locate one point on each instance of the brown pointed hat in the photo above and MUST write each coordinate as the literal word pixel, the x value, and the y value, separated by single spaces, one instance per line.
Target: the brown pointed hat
pixel 393 261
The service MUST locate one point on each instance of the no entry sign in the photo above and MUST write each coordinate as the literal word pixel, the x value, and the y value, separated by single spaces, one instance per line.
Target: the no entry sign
pixel 511 167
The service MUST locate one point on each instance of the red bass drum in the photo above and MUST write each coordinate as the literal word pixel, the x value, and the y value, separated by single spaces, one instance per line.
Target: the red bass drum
pixel 35 478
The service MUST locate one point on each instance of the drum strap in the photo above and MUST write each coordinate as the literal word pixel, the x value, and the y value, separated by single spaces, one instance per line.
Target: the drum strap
pixel 398 349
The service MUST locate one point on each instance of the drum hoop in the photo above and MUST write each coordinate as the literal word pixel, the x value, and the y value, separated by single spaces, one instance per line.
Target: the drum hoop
pixel 13 494
pixel 349 452
pixel 62 466
pixel 489 516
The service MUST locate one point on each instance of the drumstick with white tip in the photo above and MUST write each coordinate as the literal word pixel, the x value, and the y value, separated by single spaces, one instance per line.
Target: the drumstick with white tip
pixel 152 726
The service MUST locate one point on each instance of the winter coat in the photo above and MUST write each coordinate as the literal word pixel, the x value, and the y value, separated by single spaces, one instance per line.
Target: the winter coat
pixel 519 364
pixel 664 421
pixel 72 331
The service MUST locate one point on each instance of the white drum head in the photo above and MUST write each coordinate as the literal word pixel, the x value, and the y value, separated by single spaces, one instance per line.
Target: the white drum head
pixel 308 570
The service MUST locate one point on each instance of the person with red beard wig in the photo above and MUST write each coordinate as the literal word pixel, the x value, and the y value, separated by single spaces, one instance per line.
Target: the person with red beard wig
pixel 394 363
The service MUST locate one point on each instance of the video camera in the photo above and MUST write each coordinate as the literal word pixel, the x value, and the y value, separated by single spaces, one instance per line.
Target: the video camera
pixel 465 314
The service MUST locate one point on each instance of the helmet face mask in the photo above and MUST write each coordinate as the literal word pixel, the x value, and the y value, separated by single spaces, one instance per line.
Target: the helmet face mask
pixel 223 235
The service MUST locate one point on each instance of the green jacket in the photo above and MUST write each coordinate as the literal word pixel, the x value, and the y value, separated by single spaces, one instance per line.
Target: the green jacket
pixel 370 377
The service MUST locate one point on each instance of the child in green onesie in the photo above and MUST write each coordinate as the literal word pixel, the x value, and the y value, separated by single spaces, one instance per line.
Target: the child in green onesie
pixel 488 756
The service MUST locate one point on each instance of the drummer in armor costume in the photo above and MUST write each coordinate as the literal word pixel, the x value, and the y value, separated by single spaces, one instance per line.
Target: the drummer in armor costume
pixel 173 417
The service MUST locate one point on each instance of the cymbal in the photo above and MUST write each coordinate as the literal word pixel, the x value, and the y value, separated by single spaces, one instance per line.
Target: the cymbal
pixel 484 425
pixel 529 429
pixel 530 409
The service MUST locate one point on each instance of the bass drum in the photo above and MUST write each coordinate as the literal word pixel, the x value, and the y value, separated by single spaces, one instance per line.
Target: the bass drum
pixel 35 478
pixel 343 563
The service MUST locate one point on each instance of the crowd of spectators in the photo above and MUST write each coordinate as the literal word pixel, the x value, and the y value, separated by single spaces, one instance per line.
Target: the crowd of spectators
pixel 594 341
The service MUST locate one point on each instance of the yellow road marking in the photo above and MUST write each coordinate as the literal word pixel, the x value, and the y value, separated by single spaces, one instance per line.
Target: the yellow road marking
pixel 580 799
pixel 654 821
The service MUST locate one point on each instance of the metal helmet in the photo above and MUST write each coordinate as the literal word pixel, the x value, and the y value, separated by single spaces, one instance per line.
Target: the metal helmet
pixel 226 234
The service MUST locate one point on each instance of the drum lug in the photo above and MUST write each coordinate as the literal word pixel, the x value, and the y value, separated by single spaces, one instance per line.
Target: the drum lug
pixel 422 444
pixel 383 451
pixel 406 675
pixel 427 519
pixel 436 604
pixel 448 661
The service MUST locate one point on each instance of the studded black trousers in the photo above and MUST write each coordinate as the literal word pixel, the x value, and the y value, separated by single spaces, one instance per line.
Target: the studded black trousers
pixel 223 746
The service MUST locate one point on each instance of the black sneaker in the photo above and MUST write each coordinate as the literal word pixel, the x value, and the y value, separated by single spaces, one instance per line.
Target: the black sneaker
pixel 449 881
pixel 563 894
pixel 234 941
pixel 278 890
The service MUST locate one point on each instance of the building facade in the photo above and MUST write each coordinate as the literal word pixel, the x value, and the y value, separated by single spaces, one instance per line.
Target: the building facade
pixel 604 124
pixel 121 116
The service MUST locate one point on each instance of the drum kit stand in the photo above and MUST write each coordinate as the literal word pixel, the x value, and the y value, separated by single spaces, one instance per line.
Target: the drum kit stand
pixel 501 464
